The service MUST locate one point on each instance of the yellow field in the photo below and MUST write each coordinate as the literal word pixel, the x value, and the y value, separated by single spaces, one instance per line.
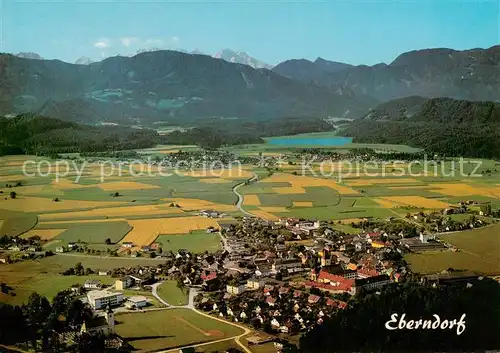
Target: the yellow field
pixel 215 180
pixel 126 185
pixel 272 209
pixel 145 231
pixel 220 173
pixel 1 222
pixel 251 200
pixel 368 182
pixel 264 215
pixel 417 201
pixel 303 204
pixel 45 234
pixel 466 190
pixel 40 204
pixel 298 182
pixel 68 184
pixel 197 204
pixel 290 190
pixel 387 204
pixel 124 211
pixel 13 177
pixel 168 151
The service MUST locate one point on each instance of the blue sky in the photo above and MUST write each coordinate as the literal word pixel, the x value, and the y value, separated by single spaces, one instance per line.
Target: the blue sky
pixel 352 31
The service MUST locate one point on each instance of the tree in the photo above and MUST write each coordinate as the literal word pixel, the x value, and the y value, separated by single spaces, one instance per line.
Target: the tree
pixel 56 199
pixel 486 209
pixel 107 241
pixel 116 194
pixel 13 194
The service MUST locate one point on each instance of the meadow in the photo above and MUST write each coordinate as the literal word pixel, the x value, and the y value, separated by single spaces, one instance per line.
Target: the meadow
pixel 194 241
pixel 167 329
pixel 43 276
pixel 169 292
pixel 479 250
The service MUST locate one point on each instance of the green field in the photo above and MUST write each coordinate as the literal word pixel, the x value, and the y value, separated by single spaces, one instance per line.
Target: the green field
pixel 196 242
pixel 44 276
pixel 164 329
pixel 15 223
pixel 479 250
pixel 95 233
pixel 169 292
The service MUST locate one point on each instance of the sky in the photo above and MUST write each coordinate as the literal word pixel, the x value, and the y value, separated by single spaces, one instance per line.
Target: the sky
pixel 351 31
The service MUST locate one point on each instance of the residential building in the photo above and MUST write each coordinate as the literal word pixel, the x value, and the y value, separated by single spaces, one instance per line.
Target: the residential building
pixel 279 264
pixel 124 282
pixel 92 284
pixel 99 299
pixel 236 288
pixel 255 283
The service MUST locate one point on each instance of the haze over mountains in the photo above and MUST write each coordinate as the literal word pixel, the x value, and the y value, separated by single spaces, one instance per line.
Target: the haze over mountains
pixel 164 85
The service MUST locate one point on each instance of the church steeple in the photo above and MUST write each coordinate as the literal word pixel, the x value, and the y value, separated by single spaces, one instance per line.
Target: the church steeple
pixel 110 319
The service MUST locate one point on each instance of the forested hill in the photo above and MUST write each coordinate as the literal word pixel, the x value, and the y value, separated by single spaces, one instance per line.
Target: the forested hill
pixel 441 125
pixel 361 327
pixel 162 85
pixel 33 134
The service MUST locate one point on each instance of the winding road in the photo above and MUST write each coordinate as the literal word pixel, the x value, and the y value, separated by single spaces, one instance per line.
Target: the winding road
pixel 239 204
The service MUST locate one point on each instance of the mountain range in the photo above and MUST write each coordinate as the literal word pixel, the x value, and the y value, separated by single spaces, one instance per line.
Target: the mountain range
pixel 162 85
pixel 172 86
pixel 469 74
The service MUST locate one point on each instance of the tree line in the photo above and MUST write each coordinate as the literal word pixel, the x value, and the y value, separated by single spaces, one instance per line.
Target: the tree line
pixel 361 327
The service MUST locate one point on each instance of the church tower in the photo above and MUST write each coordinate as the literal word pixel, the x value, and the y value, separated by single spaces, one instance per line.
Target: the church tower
pixel 110 319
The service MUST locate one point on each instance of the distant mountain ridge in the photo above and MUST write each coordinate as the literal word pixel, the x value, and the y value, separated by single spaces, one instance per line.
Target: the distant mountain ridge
pixel 241 58
pixel 161 85
pixel 29 55
pixel 309 71
pixel 469 74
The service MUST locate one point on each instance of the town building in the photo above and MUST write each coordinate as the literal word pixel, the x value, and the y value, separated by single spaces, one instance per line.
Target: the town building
pixel 92 284
pixel 99 299
pixel 370 283
pixel 124 282
pixel 136 302
pixel 237 288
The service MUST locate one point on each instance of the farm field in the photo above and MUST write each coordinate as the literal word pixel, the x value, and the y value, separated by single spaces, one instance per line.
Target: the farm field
pixel 169 292
pixel 289 193
pixel 121 208
pixel 164 329
pixel 194 241
pixel 479 250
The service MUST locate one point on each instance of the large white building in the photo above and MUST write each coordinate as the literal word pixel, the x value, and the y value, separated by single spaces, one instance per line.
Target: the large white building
pixel 99 299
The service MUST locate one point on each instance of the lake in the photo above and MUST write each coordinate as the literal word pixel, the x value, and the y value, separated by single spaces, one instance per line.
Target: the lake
pixel 310 141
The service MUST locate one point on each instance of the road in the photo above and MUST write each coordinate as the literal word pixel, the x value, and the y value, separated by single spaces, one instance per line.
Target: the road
pixel 240 197
pixel 192 294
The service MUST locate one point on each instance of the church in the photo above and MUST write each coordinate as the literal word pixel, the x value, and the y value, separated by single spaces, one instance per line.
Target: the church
pixel 100 324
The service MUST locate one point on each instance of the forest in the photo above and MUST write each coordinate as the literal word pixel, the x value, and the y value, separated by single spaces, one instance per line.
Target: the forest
pixel 361 327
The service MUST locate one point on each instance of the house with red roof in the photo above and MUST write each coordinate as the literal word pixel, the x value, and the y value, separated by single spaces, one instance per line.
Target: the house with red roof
pixel 271 301
pixel 313 299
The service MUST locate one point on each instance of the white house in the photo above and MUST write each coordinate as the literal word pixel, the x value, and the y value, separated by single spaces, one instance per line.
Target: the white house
pixel 136 302
pixel 99 299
